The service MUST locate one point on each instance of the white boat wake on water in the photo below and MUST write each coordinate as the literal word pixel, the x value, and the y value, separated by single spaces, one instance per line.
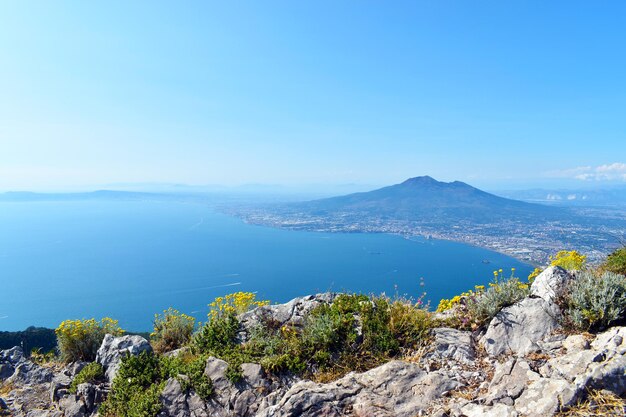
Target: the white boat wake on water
pixel 232 284
pixel 195 226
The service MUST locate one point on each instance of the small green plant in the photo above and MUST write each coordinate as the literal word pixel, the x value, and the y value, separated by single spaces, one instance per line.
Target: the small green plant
pixel 40 358
pixel 570 260
pixel 616 262
pixel 192 368
pixel 133 389
pixel 172 330
pixel 477 307
pixel 91 373
pixel 595 302
pixel 140 380
pixel 80 339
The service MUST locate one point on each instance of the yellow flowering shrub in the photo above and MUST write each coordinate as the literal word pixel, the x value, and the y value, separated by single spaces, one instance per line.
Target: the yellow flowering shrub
pixel 570 260
pixel 219 333
pixel 80 339
pixel 447 304
pixel 235 303
pixel 172 330
pixel 476 307
pixel 534 274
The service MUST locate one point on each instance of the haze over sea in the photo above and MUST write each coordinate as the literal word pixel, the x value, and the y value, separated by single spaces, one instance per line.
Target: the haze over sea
pixel 129 260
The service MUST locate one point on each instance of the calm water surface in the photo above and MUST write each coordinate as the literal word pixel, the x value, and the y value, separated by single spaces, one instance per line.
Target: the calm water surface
pixel 129 260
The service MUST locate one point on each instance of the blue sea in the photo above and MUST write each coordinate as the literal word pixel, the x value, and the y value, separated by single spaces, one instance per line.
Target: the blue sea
pixel 130 260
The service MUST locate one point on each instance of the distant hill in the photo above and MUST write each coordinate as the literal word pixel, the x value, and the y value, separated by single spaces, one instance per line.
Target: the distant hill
pixel 424 198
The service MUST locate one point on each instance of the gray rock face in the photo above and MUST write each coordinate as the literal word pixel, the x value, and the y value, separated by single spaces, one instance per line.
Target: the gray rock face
pixel 177 403
pixel 517 328
pixel 509 381
pixel 451 345
pixel 551 283
pixel 9 360
pixel 28 373
pixel 293 312
pixel 480 410
pixel 393 389
pixel 544 397
pixel 113 349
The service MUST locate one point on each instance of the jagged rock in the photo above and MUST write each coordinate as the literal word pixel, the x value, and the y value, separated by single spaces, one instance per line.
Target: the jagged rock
pixel 292 312
pixel 216 371
pixel 601 366
pixel 544 397
pixel 174 400
pixel 29 373
pixel 87 393
pixel 74 368
pixel 9 360
pixel 113 349
pixel 176 352
pixel 509 381
pixel 72 406
pixel 3 405
pixel 6 370
pixel 451 344
pixel 394 389
pixel 13 356
pixel 575 343
pixel 58 386
pixel 517 329
pixel 551 283
pixel 44 413
pixel 497 410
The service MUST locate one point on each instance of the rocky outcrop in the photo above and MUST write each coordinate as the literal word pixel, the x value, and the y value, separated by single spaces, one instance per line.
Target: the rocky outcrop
pixel 396 388
pixel 292 313
pixel 519 328
pixel 113 349
pixel 551 283
pixel 520 366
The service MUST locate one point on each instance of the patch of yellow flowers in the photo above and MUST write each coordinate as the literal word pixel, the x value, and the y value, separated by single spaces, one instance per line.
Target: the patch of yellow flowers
pixel 570 260
pixel 172 319
pixel 447 304
pixel 235 303
pixel 77 329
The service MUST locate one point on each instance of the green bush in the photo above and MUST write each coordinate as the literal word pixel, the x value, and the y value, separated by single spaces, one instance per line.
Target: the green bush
pixel 172 330
pixel 616 262
pixel 140 380
pixel 475 308
pixel 355 332
pixel 595 302
pixel 80 339
pixel 91 373
pixel 500 294
pixel 218 334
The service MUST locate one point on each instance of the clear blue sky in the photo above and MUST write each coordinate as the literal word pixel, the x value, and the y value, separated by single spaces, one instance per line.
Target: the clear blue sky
pixel 297 92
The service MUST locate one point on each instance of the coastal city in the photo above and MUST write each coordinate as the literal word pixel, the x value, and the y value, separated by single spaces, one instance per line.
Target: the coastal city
pixel 594 234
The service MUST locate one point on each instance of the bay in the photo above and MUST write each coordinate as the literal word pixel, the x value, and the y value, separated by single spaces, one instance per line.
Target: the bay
pixel 132 259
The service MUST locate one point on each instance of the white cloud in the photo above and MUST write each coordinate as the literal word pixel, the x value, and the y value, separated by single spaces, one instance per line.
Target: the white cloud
pixel 615 171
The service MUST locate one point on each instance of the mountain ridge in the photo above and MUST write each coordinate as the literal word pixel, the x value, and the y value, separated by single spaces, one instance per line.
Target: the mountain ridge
pixel 424 197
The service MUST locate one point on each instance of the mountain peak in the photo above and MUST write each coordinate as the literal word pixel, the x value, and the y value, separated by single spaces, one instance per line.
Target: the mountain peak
pixel 424 179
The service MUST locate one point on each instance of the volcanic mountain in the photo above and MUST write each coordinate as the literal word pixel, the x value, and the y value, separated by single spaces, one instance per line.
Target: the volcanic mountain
pixel 424 198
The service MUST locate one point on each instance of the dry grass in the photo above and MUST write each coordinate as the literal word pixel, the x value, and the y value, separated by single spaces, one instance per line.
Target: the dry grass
pixel 598 404
pixel 5 388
